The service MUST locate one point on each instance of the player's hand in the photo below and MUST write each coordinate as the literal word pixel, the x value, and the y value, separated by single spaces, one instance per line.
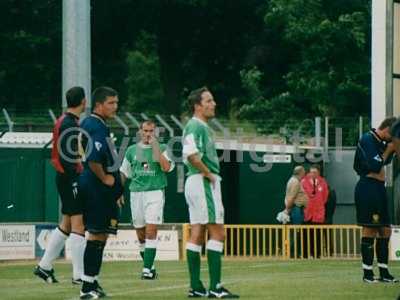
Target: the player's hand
pixel 153 141
pixel 121 201
pixel 210 177
pixel 109 180
pixel 391 147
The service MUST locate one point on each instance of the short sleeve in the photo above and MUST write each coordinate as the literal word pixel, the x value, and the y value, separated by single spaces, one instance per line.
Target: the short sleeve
pixel 172 163
pixel 97 151
pixel 193 142
pixel 126 168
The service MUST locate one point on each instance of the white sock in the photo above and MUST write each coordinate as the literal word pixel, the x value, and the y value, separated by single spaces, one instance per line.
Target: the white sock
pixel 53 249
pixel 78 244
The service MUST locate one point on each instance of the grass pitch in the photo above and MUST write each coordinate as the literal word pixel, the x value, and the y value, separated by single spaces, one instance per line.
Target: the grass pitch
pixel 252 279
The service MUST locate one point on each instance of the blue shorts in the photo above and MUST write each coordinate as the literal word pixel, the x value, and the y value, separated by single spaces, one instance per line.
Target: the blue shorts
pixel 101 212
pixel 371 203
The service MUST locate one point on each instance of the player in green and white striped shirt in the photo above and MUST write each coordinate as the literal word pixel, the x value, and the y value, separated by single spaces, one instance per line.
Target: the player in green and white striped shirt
pixel 203 196
pixel 146 164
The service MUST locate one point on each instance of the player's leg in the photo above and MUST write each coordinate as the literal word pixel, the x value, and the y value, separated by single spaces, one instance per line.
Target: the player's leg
pixel 44 269
pixel 382 253
pixel 382 241
pixel 92 260
pixel 100 220
pixel 215 244
pixel 367 253
pixel 153 212
pixel 193 257
pixel 365 200
pixel 141 235
pixel 198 214
pixel 150 250
pixel 78 244
pixel 58 237
pixel 138 219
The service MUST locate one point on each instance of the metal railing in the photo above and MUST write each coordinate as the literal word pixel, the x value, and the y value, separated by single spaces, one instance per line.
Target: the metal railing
pixel 288 241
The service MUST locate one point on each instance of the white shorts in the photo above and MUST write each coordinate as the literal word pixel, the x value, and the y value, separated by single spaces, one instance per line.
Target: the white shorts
pixel 147 208
pixel 204 200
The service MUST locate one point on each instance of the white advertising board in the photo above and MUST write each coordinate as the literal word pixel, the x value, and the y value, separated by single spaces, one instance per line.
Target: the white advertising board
pixel 17 242
pixel 395 244
pixel 125 246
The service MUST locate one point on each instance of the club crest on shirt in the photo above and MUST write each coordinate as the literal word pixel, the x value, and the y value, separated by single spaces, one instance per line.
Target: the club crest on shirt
pixel 375 218
pixel 98 145
pixel 113 223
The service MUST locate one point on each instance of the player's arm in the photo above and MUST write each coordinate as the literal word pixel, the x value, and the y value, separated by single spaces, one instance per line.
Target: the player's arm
pixel 96 156
pixel 165 164
pixel 192 153
pixel 292 192
pixel 98 170
pixel 390 151
pixel 125 170
pixel 375 160
pixel 196 162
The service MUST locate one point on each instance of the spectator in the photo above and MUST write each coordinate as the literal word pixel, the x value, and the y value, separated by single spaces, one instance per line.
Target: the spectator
pixel 295 199
pixel 317 193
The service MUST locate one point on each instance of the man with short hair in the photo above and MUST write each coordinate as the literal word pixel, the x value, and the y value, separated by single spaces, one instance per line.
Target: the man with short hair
pixel 203 196
pixel 145 164
pixel 66 161
pixel 99 187
pixel 374 151
pixel 295 198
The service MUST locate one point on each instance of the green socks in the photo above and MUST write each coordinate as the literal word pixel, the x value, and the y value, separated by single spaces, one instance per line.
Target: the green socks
pixel 193 252
pixel 214 252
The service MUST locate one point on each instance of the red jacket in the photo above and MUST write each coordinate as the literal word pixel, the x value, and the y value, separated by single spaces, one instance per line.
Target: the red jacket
pixel 317 194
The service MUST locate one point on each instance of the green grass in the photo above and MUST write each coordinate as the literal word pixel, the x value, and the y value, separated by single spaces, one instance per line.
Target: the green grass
pixel 252 279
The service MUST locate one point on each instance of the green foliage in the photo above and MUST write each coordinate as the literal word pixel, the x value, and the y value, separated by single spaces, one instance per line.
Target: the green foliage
pixel 251 80
pixel 327 48
pixel 143 81
pixel 263 59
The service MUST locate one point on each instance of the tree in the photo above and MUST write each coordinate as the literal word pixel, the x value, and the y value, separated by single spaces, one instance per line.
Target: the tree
pixel 328 48
pixel 30 56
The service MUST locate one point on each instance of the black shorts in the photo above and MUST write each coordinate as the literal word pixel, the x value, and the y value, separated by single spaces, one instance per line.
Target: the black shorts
pixel 101 212
pixel 67 189
pixel 371 203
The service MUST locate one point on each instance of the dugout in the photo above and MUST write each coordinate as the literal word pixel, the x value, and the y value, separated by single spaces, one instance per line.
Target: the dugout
pixel 253 185
pixel 27 178
pixel 255 177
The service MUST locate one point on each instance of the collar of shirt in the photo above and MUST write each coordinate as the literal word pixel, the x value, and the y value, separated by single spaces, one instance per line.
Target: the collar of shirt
pixel 144 146
pixel 98 117
pixel 201 121
pixel 72 115
pixel 376 136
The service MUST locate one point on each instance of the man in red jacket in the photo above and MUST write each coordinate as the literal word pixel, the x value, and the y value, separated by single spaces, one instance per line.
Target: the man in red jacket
pixel 316 189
